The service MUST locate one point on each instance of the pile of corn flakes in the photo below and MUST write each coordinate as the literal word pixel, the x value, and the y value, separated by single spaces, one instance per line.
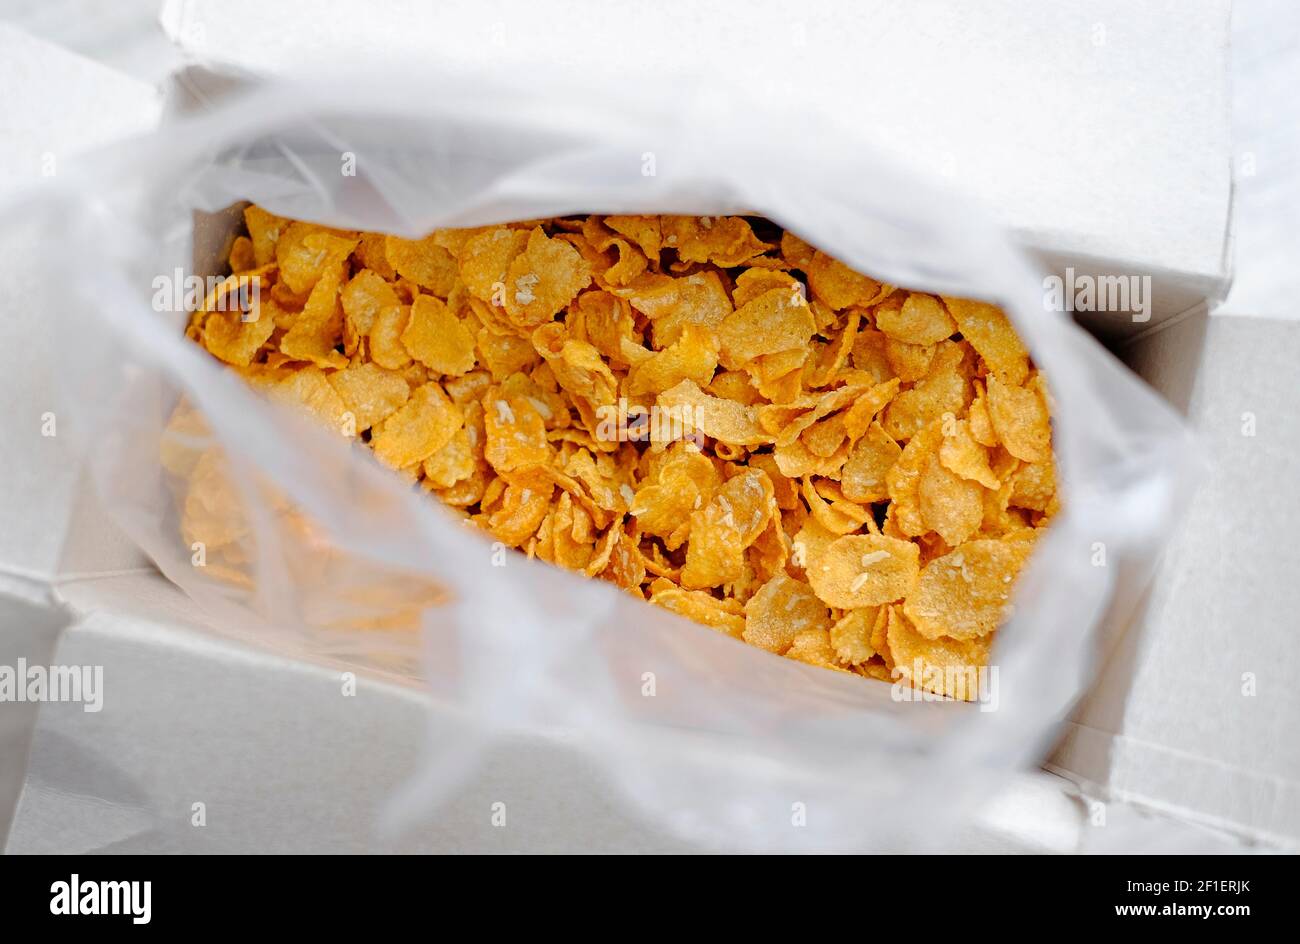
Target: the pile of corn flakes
pixel 705 411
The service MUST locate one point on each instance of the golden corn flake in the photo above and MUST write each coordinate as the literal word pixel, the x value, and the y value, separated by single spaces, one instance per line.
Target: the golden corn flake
pixel 724 528
pixel 917 319
pixel 454 462
pixel 863 476
pixel 813 647
pixel 989 331
pixel 967 592
pixel 795 252
pixel 775 321
pixel 364 297
pixel 780 610
pixel 903 480
pixel 859 570
pixel 264 231
pixel 838 285
pixel 386 347
pixel 372 253
pixel 242 255
pixel 911 362
pixel 370 392
pixel 943 666
pixel 871 356
pixel 424 262
pixel 318 329
pixel 424 424
pixel 944 389
pixel 504 354
pixel 669 303
pixel 524 505
pixel 981 426
pixel 306 252
pixel 962 453
pixel 236 336
pixel 810 541
pixel 515 433
pixel 725 241
pixel 485 260
pixel 437 338
pixel 576 365
pixel 707 412
pixel 543 279
pixel 755 282
pixel 851 636
pixel 693 356
pixel 1034 485
pixel 860 415
pixel 310 390
pixel 645 231
pixel 727 421
pixel 836 515
pixel 1019 419
pixel 724 615
pixel 951 506
pixel 682 484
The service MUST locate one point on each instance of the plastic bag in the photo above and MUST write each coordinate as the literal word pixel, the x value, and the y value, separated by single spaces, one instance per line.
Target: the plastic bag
pixel 717 741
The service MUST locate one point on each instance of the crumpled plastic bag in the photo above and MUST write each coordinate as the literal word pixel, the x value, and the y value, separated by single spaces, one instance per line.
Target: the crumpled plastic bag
pixel 718 742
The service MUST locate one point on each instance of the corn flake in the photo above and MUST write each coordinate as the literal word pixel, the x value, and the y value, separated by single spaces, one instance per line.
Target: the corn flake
pixel 725 241
pixel 437 338
pixel 775 321
pixel 780 610
pixel 422 426
pixel 967 592
pixel 850 637
pixel 1019 419
pixel 859 570
pixel 839 286
pixel 543 279
pixel 943 666
pixel 424 261
pixel 919 319
pixel 370 393
pixel 989 331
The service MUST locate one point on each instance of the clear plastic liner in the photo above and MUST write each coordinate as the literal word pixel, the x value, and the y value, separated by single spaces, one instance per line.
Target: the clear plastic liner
pixel 719 742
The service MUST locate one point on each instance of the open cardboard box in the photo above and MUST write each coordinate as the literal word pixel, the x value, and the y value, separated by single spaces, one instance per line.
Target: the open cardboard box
pixel 1150 193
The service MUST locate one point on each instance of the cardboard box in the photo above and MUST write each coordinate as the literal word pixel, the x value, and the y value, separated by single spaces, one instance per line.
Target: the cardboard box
pixel 1117 205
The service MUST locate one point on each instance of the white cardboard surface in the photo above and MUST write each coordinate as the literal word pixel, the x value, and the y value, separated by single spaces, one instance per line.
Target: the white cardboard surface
pixel 272 748
pixel 1168 724
pixel 1049 137
pixel 1195 712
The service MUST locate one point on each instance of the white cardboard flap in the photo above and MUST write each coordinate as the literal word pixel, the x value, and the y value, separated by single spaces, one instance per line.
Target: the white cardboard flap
pixel 1096 129
pixel 1195 711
